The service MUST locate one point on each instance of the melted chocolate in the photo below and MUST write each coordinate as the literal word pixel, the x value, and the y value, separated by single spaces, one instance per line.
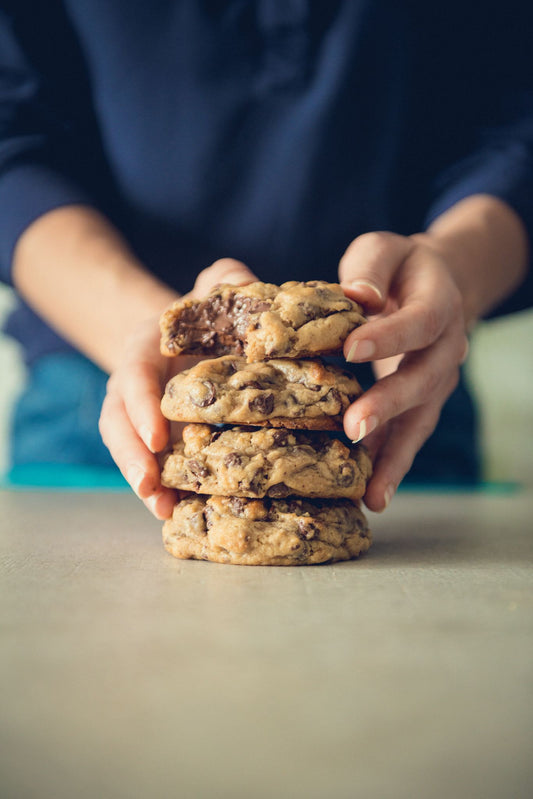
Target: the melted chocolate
pixel 216 326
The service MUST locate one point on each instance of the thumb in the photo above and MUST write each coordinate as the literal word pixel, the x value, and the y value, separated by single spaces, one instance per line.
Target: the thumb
pixel 367 267
pixel 225 270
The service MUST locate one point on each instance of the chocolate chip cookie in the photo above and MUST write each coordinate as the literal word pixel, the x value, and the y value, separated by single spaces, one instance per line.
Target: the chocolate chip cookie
pixel 268 532
pixel 303 394
pixel 261 320
pixel 272 462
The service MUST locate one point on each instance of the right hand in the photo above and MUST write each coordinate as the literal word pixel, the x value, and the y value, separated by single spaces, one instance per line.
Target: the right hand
pixel 131 423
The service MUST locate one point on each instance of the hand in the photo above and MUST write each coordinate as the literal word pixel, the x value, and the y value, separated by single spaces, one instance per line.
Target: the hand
pixel 131 424
pixel 417 339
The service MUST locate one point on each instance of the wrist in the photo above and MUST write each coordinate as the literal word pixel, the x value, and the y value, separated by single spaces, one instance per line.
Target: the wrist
pixel 484 245
pixel 79 274
pixel 452 257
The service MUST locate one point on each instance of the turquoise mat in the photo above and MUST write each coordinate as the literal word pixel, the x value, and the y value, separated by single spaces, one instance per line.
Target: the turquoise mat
pixel 64 477
pixel 86 478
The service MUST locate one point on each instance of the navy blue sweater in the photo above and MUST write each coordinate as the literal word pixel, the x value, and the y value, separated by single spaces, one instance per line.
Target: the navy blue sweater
pixel 273 131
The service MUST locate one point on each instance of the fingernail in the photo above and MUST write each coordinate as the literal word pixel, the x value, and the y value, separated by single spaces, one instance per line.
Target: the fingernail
pixel 151 504
pixel 135 476
pixel 366 426
pixel 361 351
pixel 237 278
pixel 355 284
pixel 146 435
pixel 389 493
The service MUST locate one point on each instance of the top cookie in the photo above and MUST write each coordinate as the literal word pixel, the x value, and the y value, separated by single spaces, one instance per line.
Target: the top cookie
pixel 261 321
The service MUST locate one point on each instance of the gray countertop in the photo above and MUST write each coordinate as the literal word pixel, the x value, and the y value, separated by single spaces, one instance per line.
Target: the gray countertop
pixel 126 673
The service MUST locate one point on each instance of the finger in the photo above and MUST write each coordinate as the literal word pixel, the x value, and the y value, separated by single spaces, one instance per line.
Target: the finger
pixel 413 327
pixel 367 267
pixel 140 386
pixel 421 377
pixel 426 310
pixel 137 464
pixel 405 436
pixel 225 270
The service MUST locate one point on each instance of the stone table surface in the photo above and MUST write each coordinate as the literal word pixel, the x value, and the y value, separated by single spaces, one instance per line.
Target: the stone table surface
pixel 126 673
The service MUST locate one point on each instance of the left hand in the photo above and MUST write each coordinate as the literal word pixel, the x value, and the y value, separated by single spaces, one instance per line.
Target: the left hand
pixel 416 338
pixel 131 423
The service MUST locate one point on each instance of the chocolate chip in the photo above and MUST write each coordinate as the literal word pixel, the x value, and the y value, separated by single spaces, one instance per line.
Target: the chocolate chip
pixel 237 505
pixel 263 404
pixel 306 529
pixel 322 444
pixel 346 475
pixel 251 384
pixel 208 514
pixel 294 506
pixel 308 310
pixel 249 305
pixel 257 482
pixel 279 490
pixel 204 394
pixel 334 395
pixel 280 438
pixel 208 339
pixel 232 459
pixel 198 469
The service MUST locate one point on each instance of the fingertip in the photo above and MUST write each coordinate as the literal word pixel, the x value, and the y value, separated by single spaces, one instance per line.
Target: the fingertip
pixel 135 476
pixel 161 504
pixel 158 438
pixel 377 499
pixel 147 436
pixel 366 293
pixel 359 350
pixel 224 270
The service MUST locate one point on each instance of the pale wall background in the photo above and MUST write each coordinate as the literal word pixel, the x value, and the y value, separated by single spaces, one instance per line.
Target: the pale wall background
pixel 500 368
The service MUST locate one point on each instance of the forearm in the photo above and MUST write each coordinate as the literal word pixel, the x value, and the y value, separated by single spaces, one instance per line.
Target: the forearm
pixel 486 247
pixel 79 274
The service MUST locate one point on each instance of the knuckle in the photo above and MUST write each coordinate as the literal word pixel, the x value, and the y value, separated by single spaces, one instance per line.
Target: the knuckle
pixel 111 384
pixel 375 242
pixel 427 427
pixel 103 424
pixel 368 248
pixel 385 402
pixel 452 382
pixel 432 323
pixel 464 349
pixel 222 265
pixel 456 303
pixel 431 381
pixel 224 270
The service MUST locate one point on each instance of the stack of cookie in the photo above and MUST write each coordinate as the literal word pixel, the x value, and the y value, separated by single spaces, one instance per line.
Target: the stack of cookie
pixel 268 481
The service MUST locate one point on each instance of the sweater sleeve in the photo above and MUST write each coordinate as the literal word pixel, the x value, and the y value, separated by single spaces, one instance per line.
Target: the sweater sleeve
pixel 37 172
pixel 503 168
pixel 500 159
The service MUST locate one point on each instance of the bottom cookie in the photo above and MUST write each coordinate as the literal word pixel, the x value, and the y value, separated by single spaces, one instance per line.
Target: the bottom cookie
pixel 268 532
